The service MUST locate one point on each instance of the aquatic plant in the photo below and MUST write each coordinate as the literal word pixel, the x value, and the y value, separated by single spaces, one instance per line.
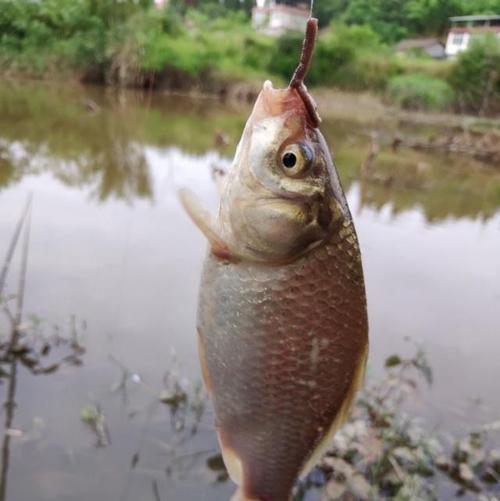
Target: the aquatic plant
pixel 383 452
pixel 26 345
pixel 92 416
pixel 476 76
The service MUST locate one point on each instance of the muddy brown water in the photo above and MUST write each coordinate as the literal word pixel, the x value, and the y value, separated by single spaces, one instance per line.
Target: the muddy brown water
pixel 113 253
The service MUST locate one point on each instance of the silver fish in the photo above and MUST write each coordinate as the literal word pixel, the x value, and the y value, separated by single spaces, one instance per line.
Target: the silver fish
pixel 282 322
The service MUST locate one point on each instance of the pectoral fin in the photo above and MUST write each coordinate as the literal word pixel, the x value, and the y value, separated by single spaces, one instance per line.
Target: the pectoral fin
pixel 203 220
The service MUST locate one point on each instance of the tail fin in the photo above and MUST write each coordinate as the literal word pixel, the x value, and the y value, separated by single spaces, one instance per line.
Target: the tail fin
pixel 239 495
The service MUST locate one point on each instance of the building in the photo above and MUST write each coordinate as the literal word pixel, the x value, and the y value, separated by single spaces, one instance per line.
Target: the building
pixel 465 28
pixel 430 46
pixel 274 18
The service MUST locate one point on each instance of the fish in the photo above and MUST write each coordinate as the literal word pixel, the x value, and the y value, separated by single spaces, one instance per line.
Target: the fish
pixel 282 317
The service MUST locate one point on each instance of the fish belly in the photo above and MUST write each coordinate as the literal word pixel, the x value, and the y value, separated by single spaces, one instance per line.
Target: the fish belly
pixel 281 349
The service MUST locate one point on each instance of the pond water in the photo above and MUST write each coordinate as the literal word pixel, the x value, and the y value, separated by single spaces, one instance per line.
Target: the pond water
pixel 113 256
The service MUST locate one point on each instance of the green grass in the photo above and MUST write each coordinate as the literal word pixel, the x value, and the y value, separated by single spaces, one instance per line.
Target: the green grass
pixel 418 91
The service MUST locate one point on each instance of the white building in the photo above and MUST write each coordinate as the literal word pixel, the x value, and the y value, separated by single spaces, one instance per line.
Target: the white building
pixel 274 18
pixel 465 28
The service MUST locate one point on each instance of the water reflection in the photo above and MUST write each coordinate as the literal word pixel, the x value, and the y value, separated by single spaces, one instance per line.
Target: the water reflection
pixel 439 191
pixel 103 146
pixel 25 346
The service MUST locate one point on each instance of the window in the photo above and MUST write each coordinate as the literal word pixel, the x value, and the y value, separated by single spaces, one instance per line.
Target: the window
pixel 458 39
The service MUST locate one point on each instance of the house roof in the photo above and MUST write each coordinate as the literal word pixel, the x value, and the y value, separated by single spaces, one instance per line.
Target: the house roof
pixel 417 43
pixel 474 18
pixel 476 29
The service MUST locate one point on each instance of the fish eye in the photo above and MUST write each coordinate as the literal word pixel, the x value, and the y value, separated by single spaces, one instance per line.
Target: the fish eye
pixel 289 160
pixel 296 158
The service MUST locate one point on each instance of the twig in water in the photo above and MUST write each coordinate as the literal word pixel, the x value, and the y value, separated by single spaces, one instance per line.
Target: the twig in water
pixel 13 243
pixel 373 151
pixel 22 276
pixel 93 417
pixel 156 490
pixel 11 391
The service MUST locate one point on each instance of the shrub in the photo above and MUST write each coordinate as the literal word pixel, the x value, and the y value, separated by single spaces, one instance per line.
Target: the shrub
pixel 369 71
pixel 437 68
pixel 36 36
pixel 358 36
pixel 285 54
pixel 418 91
pixel 476 76
pixel 335 58
pixel 256 51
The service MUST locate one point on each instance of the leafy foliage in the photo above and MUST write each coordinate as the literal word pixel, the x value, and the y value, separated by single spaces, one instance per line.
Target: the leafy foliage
pixel 285 53
pixel 344 57
pixel 384 453
pixel 127 42
pixel 476 76
pixel 209 45
pixel 396 19
pixel 39 352
pixel 419 91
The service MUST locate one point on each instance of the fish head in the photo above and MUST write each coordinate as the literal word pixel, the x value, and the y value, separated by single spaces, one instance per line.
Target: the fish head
pixel 282 196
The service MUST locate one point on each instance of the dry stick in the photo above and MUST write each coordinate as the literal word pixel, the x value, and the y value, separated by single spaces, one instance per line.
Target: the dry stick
pixel 11 391
pixel 22 277
pixel 492 78
pixel 373 151
pixel 9 418
pixel 13 243
pixel 297 81
pixel 156 490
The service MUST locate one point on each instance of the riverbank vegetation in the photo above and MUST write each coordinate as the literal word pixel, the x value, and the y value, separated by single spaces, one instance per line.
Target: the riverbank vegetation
pixel 211 47
pixel 385 452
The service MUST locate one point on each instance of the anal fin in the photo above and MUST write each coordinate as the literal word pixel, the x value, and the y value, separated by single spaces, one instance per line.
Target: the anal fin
pixel 240 496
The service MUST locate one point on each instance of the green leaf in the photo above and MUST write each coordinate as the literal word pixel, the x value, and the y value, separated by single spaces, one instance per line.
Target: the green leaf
pixel 392 361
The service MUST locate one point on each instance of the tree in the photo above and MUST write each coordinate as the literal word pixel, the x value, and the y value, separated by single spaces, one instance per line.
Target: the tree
pixel 476 76
pixel 387 17
pixel 215 8
pixel 394 19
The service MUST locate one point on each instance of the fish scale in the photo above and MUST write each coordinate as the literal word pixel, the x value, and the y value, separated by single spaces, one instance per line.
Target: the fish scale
pixel 260 326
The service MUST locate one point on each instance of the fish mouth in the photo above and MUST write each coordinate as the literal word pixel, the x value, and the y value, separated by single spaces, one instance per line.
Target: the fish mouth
pixel 316 209
pixel 320 214
pixel 323 215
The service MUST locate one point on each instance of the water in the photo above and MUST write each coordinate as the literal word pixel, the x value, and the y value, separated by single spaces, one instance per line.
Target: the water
pixel 113 255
